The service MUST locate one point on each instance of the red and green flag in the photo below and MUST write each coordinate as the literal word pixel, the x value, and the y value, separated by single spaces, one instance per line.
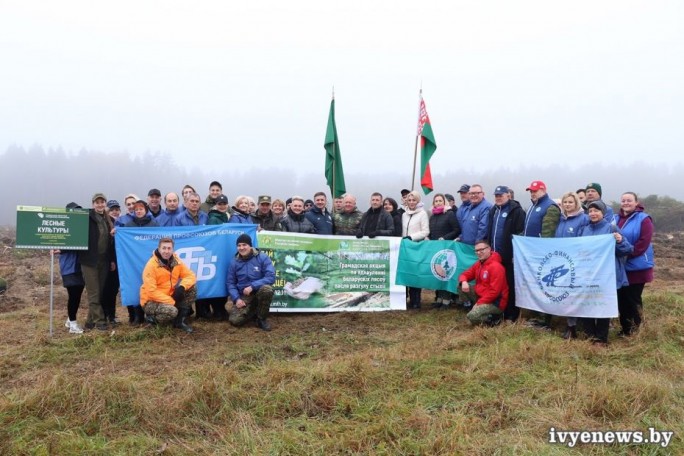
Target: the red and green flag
pixel 334 173
pixel 427 147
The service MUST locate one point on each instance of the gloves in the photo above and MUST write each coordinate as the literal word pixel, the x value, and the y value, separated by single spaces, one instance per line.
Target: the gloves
pixel 359 235
pixel 179 294
pixel 372 234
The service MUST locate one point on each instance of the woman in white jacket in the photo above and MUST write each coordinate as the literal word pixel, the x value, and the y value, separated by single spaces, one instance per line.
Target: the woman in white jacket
pixel 415 226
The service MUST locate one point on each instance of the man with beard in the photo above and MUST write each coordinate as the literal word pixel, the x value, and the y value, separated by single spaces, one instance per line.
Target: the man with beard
pixel 168 289
pixel 250 279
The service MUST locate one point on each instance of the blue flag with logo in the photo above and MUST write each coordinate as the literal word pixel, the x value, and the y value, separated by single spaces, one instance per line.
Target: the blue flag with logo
pixel 207 250
pixel 433 265
pixel 571 277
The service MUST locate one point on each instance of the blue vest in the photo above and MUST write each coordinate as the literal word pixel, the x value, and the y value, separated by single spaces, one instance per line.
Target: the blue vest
pixel 535 215
pixel 632 230
pixel 500 214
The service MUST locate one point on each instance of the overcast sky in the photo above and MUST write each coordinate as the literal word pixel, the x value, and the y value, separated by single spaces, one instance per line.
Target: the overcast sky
pixel 227 85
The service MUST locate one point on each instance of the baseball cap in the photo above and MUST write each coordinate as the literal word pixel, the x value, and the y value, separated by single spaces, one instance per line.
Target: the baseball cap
pixel 113 203
pixel 154 191
pixel 97 196
pixel 222 199
pixel 465 188
pixel 501 190
pixel 264 199
pixel 536 185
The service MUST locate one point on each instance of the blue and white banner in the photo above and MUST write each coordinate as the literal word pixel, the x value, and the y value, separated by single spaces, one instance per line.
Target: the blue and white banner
pixel 207 250
pixel 572 277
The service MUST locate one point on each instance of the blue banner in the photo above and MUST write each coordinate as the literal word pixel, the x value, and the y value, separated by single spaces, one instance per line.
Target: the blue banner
pixel 572 277
pixel 207 250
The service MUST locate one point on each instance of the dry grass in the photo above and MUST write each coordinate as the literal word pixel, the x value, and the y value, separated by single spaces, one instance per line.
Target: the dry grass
pixel 390 383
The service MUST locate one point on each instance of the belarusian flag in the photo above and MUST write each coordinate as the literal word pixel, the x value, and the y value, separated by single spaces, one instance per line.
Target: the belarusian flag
pixel 427 147
pixel 334 173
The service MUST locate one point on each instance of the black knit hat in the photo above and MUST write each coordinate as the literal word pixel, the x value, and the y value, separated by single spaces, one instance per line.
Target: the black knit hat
pixel 244 239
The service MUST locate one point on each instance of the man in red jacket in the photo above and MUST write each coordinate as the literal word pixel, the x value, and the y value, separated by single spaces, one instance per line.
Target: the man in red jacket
pixel 491 289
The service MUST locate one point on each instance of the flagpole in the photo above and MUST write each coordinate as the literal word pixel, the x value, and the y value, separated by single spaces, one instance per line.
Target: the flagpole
pixel 415 146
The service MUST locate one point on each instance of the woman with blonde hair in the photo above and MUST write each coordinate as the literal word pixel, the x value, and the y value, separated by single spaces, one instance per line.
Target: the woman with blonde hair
pixel 415 226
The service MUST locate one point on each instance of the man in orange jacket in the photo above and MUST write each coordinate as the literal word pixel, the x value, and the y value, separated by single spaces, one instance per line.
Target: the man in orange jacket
pixel 168 288
pixel 491 289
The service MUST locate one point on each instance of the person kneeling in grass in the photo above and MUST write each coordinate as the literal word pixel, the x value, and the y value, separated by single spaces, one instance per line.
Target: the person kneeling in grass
pixel 250 279
pixel 168 290
pixel 491 289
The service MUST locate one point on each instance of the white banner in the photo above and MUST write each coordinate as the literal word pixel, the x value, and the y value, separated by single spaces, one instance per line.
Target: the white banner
pixel 572 277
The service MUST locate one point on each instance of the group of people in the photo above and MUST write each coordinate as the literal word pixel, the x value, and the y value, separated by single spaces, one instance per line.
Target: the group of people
pixel 473 220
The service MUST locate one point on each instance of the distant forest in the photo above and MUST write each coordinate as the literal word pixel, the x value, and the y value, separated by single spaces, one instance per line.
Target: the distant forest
pixel 54 177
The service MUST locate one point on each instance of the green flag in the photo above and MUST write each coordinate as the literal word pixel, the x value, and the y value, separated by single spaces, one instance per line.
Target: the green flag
pixel 334 173
pixel 433 265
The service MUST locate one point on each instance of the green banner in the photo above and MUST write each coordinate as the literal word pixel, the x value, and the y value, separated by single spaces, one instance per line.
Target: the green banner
pixel 52 228
pixel 330 273
pixel 433 265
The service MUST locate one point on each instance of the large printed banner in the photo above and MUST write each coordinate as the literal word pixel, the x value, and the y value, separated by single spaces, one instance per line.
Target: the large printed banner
pixel 433 265
pixel 572 277
pixel 207 250
pixel 333 273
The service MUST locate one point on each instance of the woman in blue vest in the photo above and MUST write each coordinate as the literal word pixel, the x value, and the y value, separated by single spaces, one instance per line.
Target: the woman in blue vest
pixel 637 227
pixel 597 328
pixel 572 219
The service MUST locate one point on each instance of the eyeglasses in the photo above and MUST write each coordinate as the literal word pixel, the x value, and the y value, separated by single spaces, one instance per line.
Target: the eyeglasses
pixel 481 250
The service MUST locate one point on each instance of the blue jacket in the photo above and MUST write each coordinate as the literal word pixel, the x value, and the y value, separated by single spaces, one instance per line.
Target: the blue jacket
pixel 569 226
pixel 460 212
pixel 321 220
pixel 535 216
pixel 631 229
pixel 185 219
pixel 256 271
pixel 622 250
pixel 240 217
pixel 475 224
pixel 166 217
pixel 125 218
pixel 70 268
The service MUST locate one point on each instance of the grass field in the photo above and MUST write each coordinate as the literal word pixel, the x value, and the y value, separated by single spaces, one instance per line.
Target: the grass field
pixel 373 383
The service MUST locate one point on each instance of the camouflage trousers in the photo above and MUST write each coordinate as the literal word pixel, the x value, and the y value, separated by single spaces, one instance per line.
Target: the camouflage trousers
pixel 166 312
pixel 480 314
pixel 257 305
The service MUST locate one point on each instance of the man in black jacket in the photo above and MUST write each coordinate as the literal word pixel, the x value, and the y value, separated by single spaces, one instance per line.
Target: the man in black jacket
pixel 376 221
pixel 506 218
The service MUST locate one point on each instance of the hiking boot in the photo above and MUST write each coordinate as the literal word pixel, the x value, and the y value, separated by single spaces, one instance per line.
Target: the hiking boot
pixel 263 324
pixel 151 320
pixel 179 321
pixel 570 333
pixel 101 327
pixel 437 304
pixel 89 325
pixel 74 328
pixel 114 321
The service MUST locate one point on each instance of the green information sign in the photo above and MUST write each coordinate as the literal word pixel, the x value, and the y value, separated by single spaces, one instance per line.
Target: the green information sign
pixel 52 228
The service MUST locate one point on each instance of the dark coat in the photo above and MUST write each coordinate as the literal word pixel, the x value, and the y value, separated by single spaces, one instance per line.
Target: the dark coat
pixel 444 225
pixel 514 224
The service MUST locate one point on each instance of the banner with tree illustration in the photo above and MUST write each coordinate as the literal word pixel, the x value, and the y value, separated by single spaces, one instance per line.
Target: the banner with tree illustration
pixel 333 273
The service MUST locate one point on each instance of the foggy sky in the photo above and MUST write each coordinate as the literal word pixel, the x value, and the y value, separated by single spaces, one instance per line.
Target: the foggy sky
pixel 227 86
